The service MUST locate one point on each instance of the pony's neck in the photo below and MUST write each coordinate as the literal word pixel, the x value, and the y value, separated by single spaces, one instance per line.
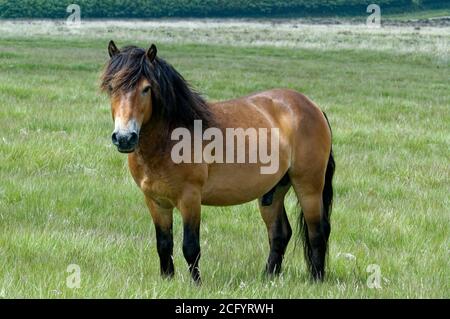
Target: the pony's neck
pixel 154 138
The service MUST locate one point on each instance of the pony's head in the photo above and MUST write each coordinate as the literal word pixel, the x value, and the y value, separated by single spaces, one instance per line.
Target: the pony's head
pixel 128 79
pixel 144 88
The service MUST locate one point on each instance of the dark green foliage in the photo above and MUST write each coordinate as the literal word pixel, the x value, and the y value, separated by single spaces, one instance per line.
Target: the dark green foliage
pixel 201 8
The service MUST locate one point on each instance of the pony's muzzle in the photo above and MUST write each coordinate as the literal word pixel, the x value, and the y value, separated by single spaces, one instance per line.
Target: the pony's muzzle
pixel 125 141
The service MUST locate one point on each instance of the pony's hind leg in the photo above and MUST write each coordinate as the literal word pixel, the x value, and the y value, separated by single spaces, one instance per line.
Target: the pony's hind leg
pixel 315 225
pixel 271 206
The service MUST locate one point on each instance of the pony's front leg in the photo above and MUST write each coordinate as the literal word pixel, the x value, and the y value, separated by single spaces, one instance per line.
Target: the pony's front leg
pixel 162 218
pixel 190 208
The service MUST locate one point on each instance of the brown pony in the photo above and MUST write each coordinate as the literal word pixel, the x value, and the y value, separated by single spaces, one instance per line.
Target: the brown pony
pixel 150 99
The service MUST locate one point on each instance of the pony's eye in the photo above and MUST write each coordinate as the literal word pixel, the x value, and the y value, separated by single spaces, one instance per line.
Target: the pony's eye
pixel 146 90
pixel 110 88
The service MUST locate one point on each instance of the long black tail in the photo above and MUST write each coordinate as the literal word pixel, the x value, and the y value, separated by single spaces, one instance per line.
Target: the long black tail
pixel 315 252
pixel 327 194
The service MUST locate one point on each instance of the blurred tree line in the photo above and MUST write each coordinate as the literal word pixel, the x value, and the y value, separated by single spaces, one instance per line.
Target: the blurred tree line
pixel 56 9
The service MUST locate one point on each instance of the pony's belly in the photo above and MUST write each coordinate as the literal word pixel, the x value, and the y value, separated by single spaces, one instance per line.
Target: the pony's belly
pixel 235 186
pixel 236 199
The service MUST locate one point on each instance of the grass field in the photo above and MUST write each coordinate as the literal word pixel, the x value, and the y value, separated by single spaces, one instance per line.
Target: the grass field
pixel 66 196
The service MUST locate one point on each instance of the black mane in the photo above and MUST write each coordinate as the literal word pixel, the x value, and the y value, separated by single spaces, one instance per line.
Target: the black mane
pixel 173 100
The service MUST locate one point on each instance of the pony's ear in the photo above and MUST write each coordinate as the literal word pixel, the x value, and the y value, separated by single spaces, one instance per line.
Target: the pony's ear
pixel 151 53
pixel 112 49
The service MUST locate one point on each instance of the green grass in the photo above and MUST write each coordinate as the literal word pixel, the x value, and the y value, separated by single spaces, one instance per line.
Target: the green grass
pixel 66 196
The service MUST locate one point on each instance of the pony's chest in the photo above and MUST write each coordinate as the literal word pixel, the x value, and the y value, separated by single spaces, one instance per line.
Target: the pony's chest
pixel 153 180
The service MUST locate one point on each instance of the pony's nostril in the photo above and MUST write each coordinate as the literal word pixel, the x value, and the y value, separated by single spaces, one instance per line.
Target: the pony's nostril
pixel 125 141
pixel 114 139
pixel 133 139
